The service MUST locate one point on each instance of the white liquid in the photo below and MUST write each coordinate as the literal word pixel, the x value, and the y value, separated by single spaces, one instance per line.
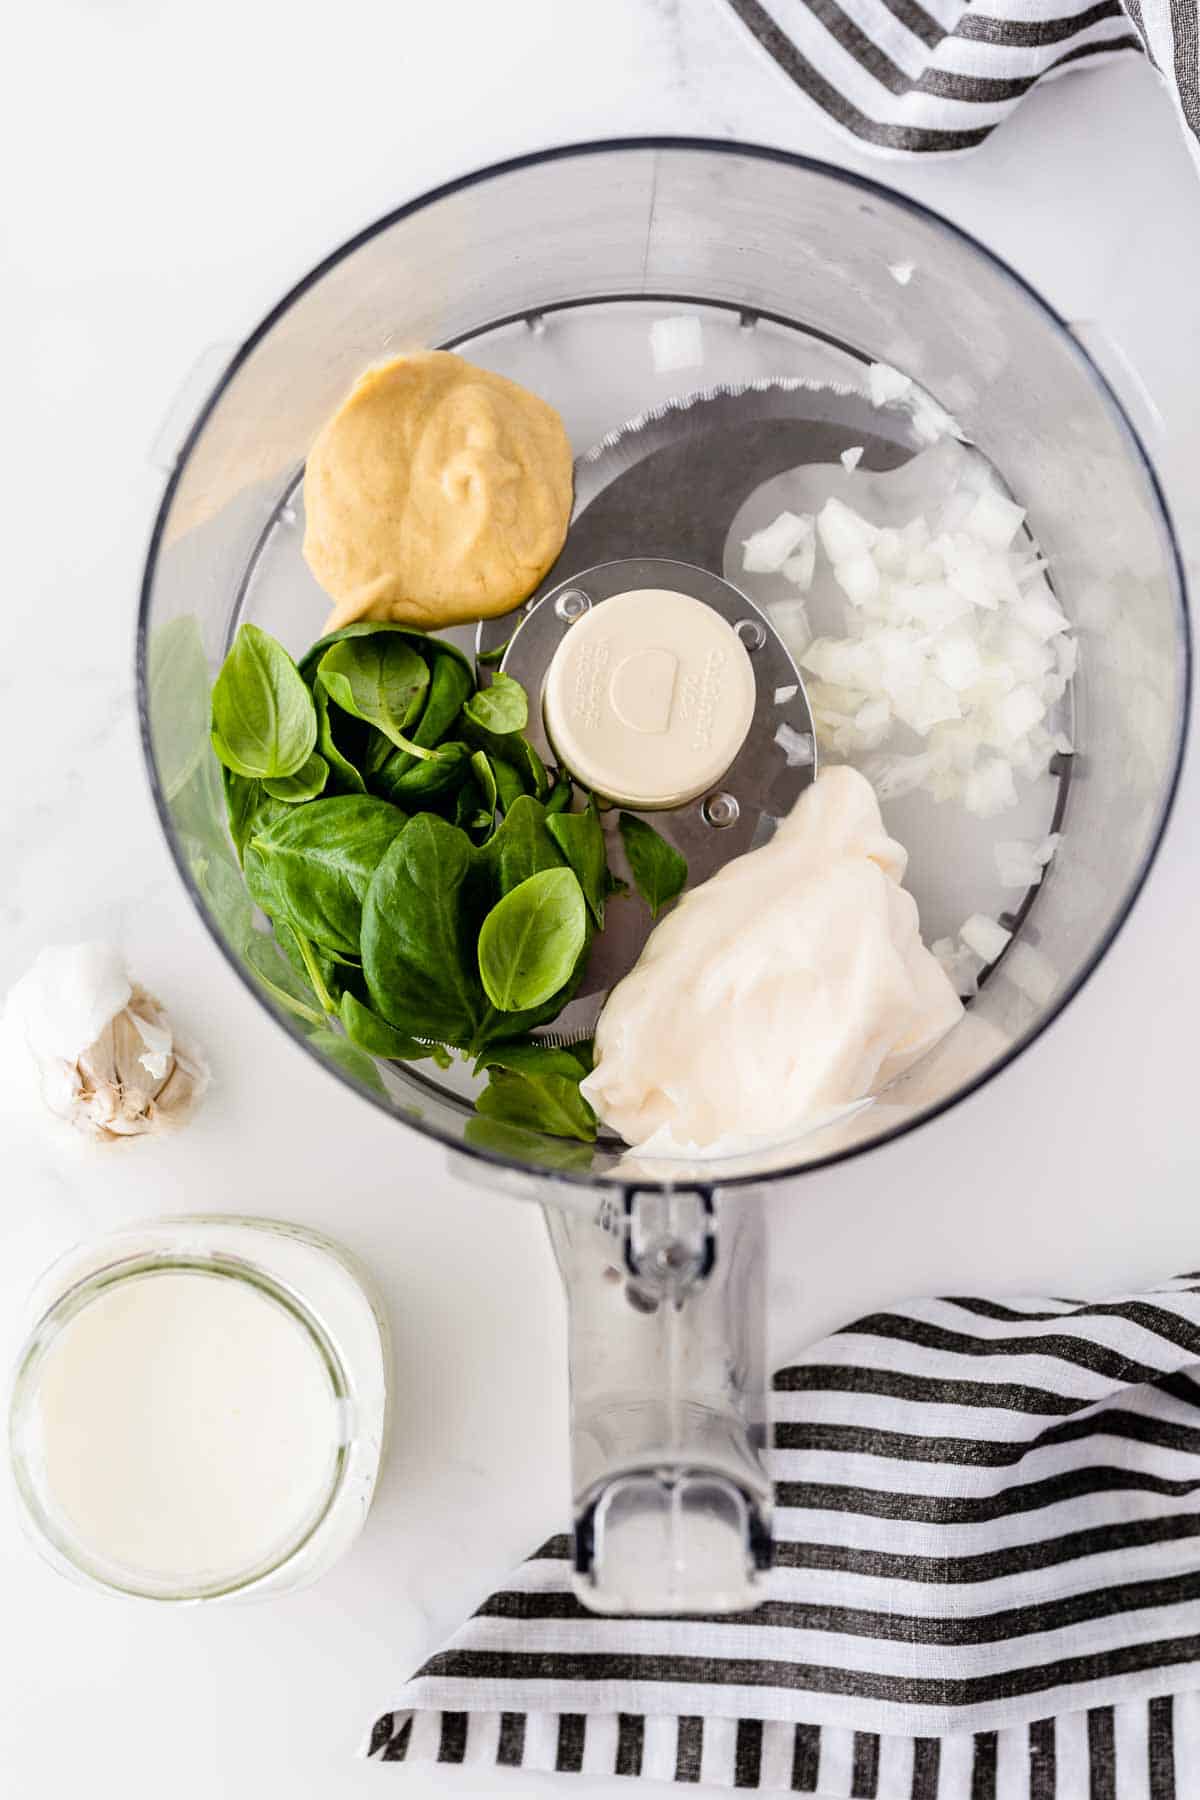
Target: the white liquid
pixel 187 1426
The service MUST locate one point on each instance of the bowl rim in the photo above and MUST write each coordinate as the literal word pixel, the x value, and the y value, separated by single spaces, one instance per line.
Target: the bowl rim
pixel 590 1181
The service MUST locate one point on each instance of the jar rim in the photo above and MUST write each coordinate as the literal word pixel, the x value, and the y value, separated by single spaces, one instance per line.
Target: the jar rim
pixel 51 1532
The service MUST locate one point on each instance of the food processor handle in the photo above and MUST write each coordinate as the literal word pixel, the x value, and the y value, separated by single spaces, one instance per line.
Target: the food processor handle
pixel 667 1321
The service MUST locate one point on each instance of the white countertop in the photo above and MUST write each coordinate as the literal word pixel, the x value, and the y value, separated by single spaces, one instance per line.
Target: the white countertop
pixel 178 169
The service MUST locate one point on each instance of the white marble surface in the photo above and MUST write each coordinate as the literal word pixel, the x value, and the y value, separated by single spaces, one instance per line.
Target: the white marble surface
pixel 180 169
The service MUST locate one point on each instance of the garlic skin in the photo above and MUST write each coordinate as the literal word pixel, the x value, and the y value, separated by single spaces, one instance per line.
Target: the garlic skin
pixel 106 1055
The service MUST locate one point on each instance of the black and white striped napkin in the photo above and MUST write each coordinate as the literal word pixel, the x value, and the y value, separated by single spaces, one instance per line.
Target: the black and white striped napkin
pixel 908 76
pixel 987 1585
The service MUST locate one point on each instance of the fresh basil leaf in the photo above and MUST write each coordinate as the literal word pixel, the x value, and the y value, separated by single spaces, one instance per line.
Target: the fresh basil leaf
pixel 418 935
pixel 658 869
pixel 246 802
pixel 531 940
pixel 347 1056
pixel 520 848
pixel 305 784
pixel 266 962
pixel 500 708
pixel 527 1056
pixel 373 1034
pixel 538 1088
pixel 426 646
pixel 177 680
pixel 450 684
pixel 408 783
pixel 321 974
pixel 486 778
pixel 523 1146
pixel 560 796
pixel 509 786
pixel 380 679
pixel 263 719
pixel 316 864
pixel 580 837
pixel 343 771
pixel 511 747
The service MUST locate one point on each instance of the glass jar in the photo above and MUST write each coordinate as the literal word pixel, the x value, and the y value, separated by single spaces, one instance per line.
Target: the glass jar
pixel 199 1410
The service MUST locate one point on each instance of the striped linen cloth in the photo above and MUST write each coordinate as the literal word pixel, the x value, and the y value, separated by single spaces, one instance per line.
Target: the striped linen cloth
pixel 906 76
pixel 987 1584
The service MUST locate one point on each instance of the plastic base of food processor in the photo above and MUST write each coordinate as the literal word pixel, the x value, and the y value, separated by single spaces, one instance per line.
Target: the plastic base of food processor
pixel 666 1303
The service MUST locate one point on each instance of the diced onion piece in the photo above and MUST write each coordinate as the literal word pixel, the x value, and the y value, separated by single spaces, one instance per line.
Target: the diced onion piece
pixel 902 272
pixel 1032 972
pixel 843 533
pixel 887 384
pixel 1045 850
pixel 676 343
pixel 995 519
pixel 989 788
pixel 800 568
pixel 784 694
pixel 1017 864
pixel 766 551
pixel 858 579
pixel 1066 651
pixel 852 457
pixel 957 661
pixel 985 936
pixel 790 619
pixel 797 747
pixel 1016 712
pixel 1039 614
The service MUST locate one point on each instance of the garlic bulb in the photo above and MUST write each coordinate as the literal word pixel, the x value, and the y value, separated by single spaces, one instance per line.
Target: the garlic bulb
pixel 106 1055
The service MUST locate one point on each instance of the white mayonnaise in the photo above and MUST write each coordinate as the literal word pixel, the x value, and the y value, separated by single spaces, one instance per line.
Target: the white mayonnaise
pixel 790 984
pixel 187 1428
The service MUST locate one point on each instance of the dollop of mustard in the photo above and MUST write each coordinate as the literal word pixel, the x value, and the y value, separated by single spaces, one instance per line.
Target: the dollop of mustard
pixel 438 493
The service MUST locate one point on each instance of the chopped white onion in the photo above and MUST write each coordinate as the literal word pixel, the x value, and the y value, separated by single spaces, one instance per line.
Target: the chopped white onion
pixel 766 551
pixel 989 788
pixel 858 578
pixel 984 936
pixel 1017 864
pixel 801 568
pixel 902 272
pixel 798 749
pixel 1031 971
pixel 887 384
pixel 676 343
pixel 790 619
pixel 1044 851
pixel 995 520
pixel 784 694
pixel 852 457
pixel 844 534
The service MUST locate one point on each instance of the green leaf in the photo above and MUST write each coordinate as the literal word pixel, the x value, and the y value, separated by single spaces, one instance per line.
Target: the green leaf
pixel 511 747
pixel 560 796
pixel 321 975
pixel 177 679
pixel 344 773
pixel 419 937
pixel 312 866
pixel 486 778
pixel 580 837
pixel 537 1087
pixel 426 646
pixel 509 785
pixel 305 784
pixel 500 708
pixel 410 784
pixel 658 869
pixel 347 1056
pixel 380 679
pixel 245 802
pixel 263 719
pixel 266 962
pixel 519 1144
pixel 373 1034
pixel 487 659
pixel 450 683
pixel 530 941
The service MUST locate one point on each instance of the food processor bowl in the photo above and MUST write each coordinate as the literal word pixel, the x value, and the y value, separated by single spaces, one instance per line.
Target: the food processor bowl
pixel 570 271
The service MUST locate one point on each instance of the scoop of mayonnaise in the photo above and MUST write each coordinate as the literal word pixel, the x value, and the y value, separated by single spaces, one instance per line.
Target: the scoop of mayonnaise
pixel 790 984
